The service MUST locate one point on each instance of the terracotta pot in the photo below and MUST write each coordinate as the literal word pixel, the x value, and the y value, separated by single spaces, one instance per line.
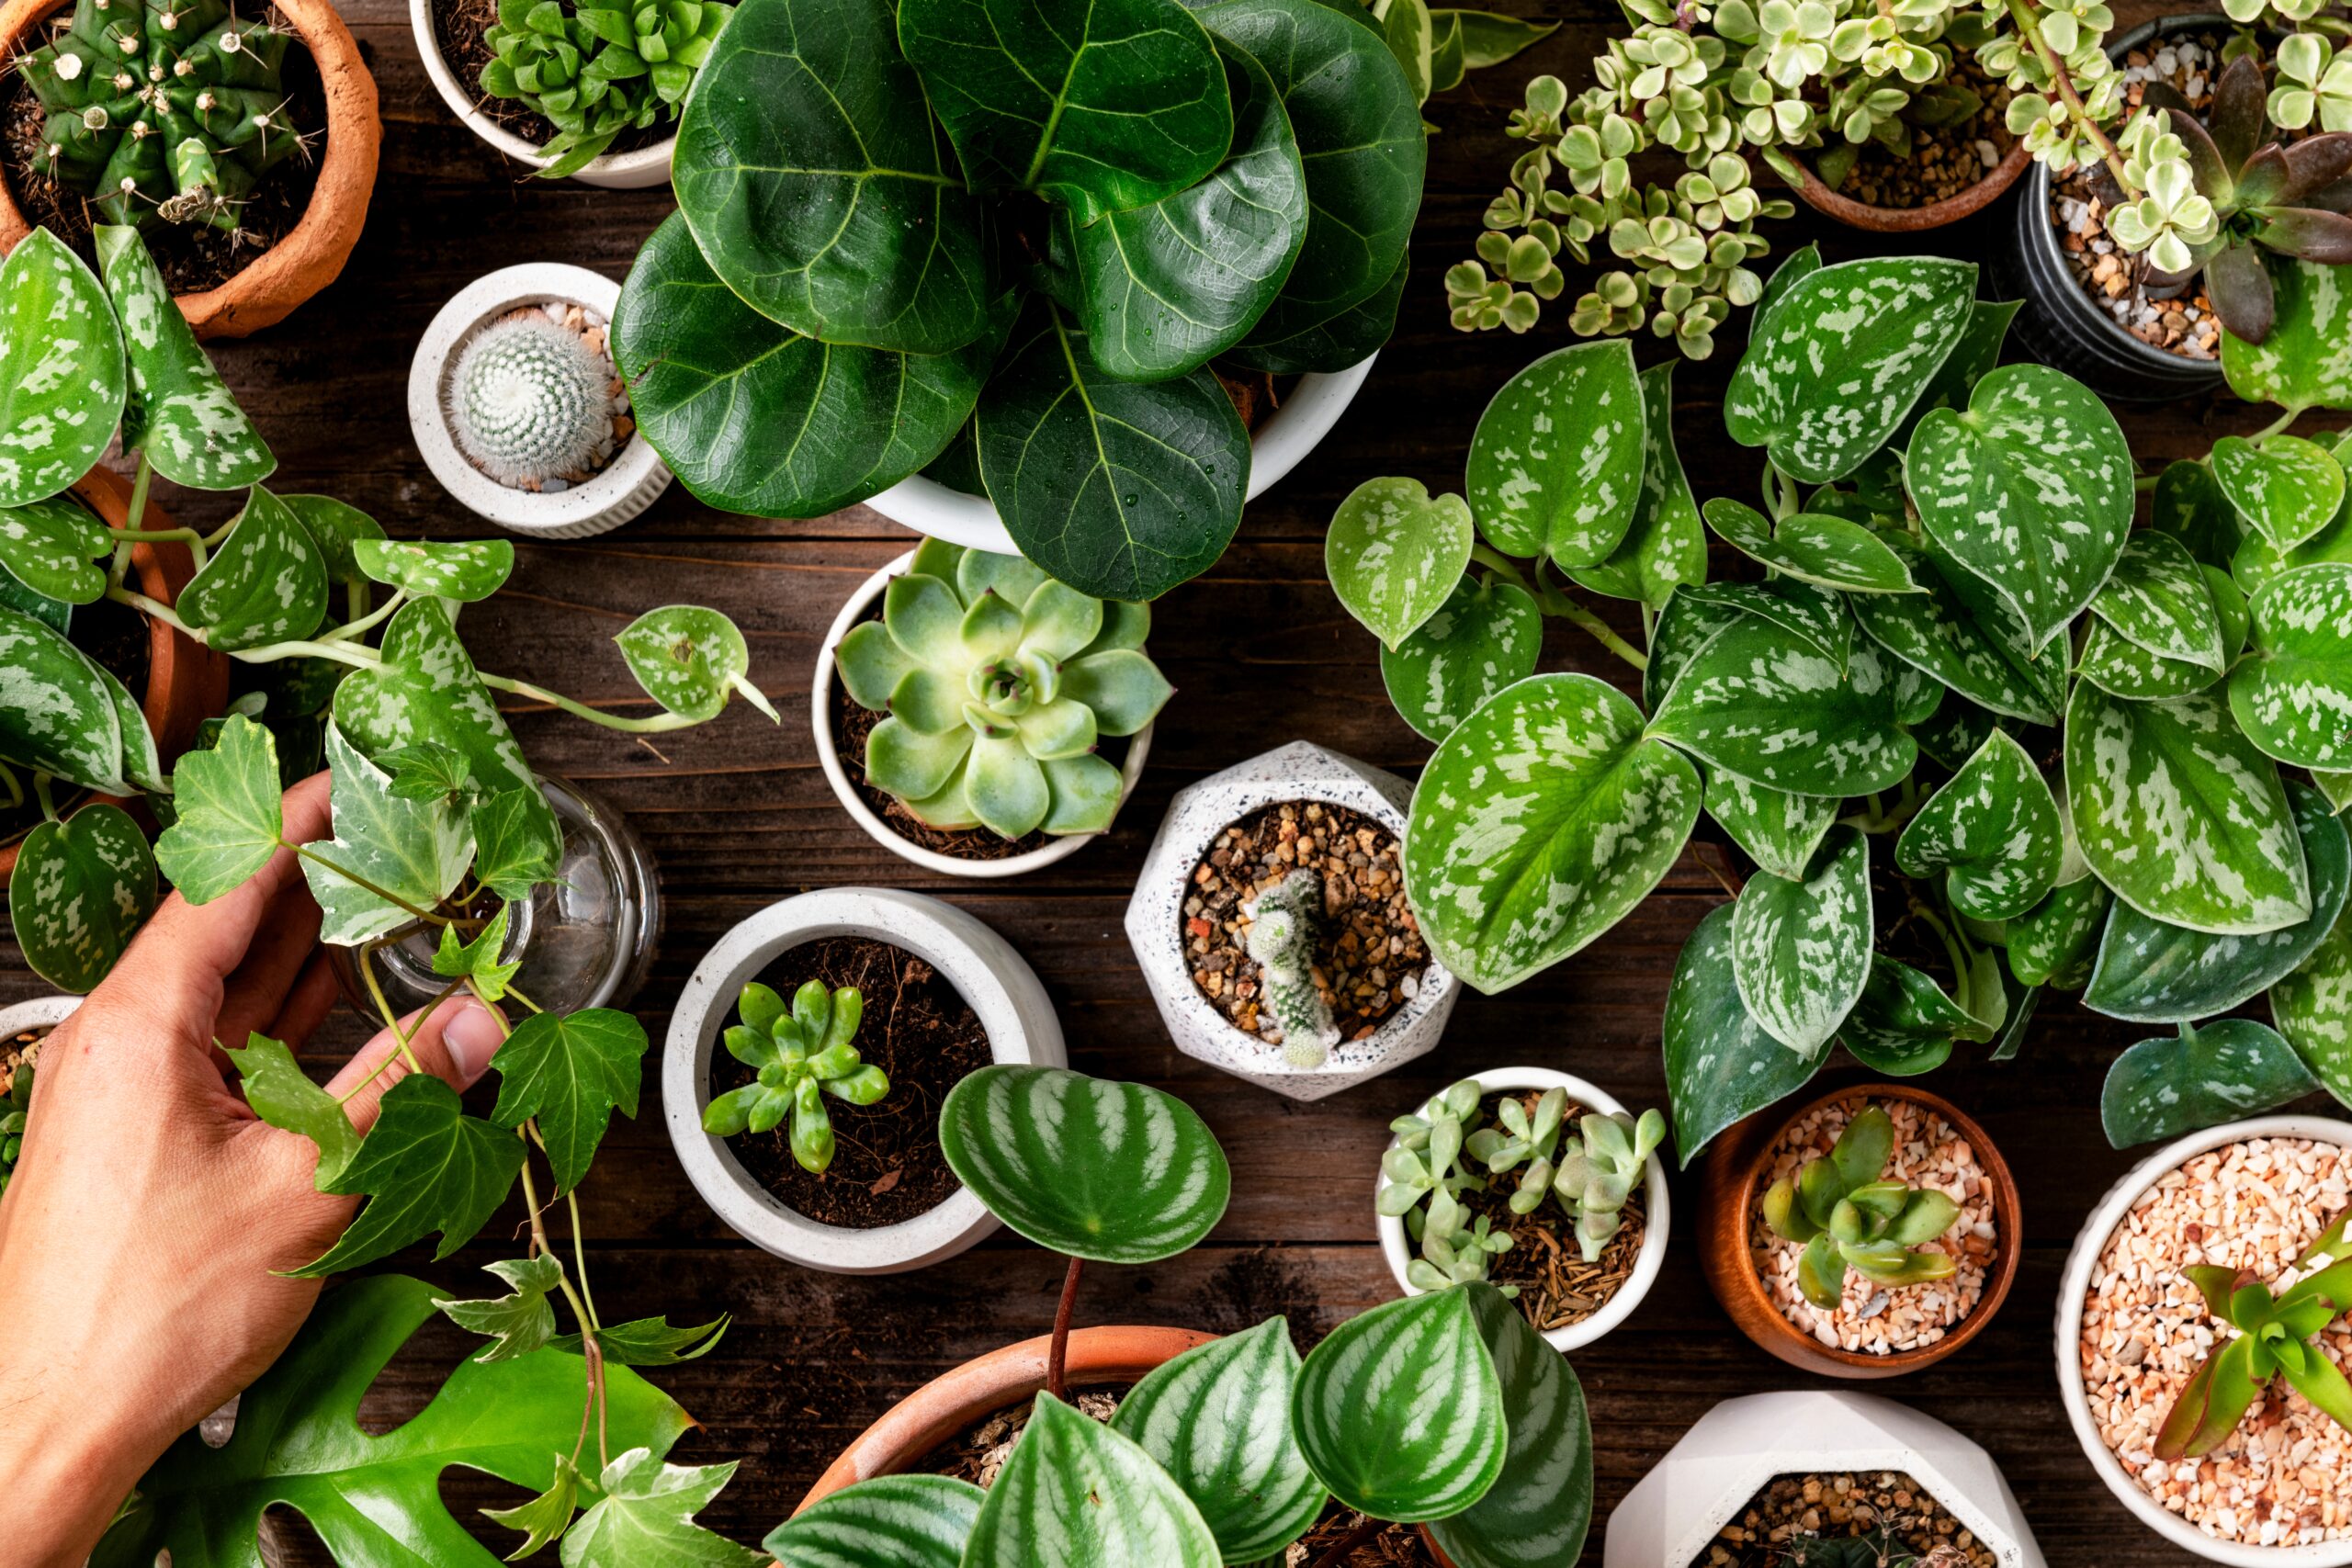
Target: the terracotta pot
pixel 1912 219
pixel 1732 1185
pixel 308 259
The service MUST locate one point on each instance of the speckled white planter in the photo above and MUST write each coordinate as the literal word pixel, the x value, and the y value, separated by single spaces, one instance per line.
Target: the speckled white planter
pixel 821 717
pixel 1299 770
pixel 614 171
pixel 985 972
pixel 622 489
pixel 1704 1480
pixel 1658 1210
pixel 2075 1284
pixel 40 1012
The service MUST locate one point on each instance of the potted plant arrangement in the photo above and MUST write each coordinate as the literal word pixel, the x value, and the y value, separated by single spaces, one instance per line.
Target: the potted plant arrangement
pixel 514 401
pixel 2202 1347
pixel 273 131
pixel 980 719
pixel 1271 925
pixel 854 303
pixel 846 1175
pixel 1537 1182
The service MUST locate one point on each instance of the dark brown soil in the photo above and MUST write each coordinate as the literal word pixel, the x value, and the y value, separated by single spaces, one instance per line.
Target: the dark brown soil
pixel 460 27
pixel 977 1452
pixel 1369 1543
pixel 887 1165
pixel 1944 161
pixel 1886 1507
pixel 117 636
pixel 1557 1286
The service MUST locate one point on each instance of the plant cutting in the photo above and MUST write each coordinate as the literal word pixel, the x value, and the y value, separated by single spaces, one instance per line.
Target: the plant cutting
pixel 918 156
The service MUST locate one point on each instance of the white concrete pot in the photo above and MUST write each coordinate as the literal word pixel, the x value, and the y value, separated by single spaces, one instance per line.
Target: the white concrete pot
pixel 1658 1210
pixel 1725 1459
pixel 821 716
pixel 40 1012
pixel 1275 448
pixel 985 972
pixel 615 171
pixel 625 486
pixel 2075 1284
pixel 1299 770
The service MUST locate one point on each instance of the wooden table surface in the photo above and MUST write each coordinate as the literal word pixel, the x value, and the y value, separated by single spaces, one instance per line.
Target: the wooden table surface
pixel 738 815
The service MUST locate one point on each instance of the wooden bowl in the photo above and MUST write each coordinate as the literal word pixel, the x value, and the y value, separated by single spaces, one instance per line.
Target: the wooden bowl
pixel 1912 219
pixel 1732 1185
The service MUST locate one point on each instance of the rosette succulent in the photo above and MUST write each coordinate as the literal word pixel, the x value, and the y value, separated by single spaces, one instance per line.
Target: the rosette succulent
pixel 1000 683
pixel 2277 1337
pixel 1844 1217
pixel 595 71
pixel 801 1057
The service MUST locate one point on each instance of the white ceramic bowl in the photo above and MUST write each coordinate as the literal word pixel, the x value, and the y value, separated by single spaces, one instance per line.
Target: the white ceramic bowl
pixel 2075 1284
pixel 614 171
pixel 985 972
pixel 821 716
pixel 1658 1211
pixel 40 1012
pixel 625 486
pixel 1275 448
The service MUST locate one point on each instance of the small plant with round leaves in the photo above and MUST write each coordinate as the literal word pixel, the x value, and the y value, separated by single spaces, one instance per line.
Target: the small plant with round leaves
pixel 1598 1170
pixel 529 401
pixel 2277 1337
pixel 595 71
pixel 1845 1216
pixel 801 1057
pixel 1283 925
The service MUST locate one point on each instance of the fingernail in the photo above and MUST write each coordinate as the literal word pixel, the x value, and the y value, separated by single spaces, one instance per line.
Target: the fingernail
pixel 471 1037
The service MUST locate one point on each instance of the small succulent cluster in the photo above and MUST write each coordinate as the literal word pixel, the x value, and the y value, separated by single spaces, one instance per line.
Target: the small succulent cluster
pixel 169 109
pixel 15 1103
pixel 1282 924
pixel 530 400
pixel 801 1057
pixel 2275 1339
pixel 1845 1216
pixel 595 71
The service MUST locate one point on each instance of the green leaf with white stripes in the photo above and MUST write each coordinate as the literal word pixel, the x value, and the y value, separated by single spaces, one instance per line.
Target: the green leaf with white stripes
pixel 1950 735
pixel 266 584
pixel 1721 1065
pixel 1217 1419
pixel 179 411
pixel 1839 359
pixel 1557 462
pixel 2287 487
pixel 466 571
pixel 2306 359
pixel 2294 695
pixel 1394 555
pixel 890 1521
pixel 1983 657
pixel 1400 1412
pixel 2051 944
pixel 80 891
pixel 2180 815
pixel 2229 1068
pixel 1074 1491
pixel 2313 1007
pixel 1800 947
pixel 1664 545
pixel 1770 707
pixel 2031 490
pixel 56 715
pixel 1993 831
pixel 1811 547
pixel 1539 1510
pixel 1486 635
pixel 1541 821
pixel 61 379
pixel 1779 830
pixel 1814 614
pixel 1110 1172
pixel 414 851
pixel 2156 597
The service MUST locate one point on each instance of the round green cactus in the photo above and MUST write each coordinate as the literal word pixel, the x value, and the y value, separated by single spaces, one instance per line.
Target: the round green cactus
pixel 530 401
pixel 1000 682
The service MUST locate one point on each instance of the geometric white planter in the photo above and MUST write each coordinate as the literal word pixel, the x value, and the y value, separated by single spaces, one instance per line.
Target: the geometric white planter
pixel 1658 1210
pixel 996 981
pixel 1299 770
pixel 1734 1450
pixel 614 171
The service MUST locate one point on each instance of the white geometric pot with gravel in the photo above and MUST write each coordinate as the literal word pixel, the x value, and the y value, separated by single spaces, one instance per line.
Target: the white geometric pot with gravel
pixel 1300 772
pixel 985 970
pixel 1658 1210
pixel 1727 1457
pixel 2075 1287
pixel 614 171
pixel 631 477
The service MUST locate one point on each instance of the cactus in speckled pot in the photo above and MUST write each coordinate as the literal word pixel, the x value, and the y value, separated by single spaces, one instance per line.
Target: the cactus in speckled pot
pixel 1282 941
pixel 530 401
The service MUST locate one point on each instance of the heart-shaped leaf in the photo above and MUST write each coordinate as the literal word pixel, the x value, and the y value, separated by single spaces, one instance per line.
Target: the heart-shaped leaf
pixel 266 584
pixel 1688 624
pixel 2287 488
pixel 426 691
pixel 1906 1024
pixel 1664 546
pixel 336 528
pixel 52 546
pixel 2231 1067
pixel 1817 615
pixel 56 715
pixel 80 891
pixel 2305 361
pixel 2294 696
pixel 1779 830
pixel 2124 669
pixel 1982 657
pixel 2190 506
pixel 62 383
pixel 890 1521
pixel 1400 1412
pixel 1541 820
pixel 466 572
pixel 1539 1510
pixel 1811 547
pixel 1394 555
pixel 1770 707
pixel 1800 948
pixel 1555 464
pixel 1075 1491
pixel 1721 1065
pixel 2313 1008
pixel 1487 634
pixel 178 411
pixel 390 858
pixel 1993 831
pixel 2157 598
pixel 688 659
pixel 426 1166
pixel 1111 1172
pixel 2051 944
pixel 228 812
pixel 2256 560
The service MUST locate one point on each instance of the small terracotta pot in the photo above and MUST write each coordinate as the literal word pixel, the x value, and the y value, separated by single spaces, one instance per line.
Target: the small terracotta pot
pixel 1913 220
pixel 1732 1185
pixel 308 259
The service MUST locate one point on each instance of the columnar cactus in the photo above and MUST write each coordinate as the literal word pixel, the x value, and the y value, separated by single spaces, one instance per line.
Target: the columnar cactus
pixel 530 401
pixel 1282 941
pixel 163 109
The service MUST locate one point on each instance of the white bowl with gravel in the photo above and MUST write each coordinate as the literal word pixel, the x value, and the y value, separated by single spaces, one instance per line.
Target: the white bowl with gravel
pixel 645 167
pixel 2131 1329
pixel 1657 1208
pixel 1161 914
pixel 561 464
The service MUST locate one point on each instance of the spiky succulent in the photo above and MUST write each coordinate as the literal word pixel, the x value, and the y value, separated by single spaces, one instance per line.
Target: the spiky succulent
pixel 529 401
pixel 1844 1217
pixel 801 1057
pixel 1282 924
pixel 163 109
pixel 2276 1337
pixel 595 71
pixel 1000 683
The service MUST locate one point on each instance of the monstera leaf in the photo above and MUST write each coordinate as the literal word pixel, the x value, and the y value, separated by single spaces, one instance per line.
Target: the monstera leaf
pixel 1993 831
pixel 1399 1411
pixel 1555 464
pixel 62 384
pixel 1075 1491
pixel 2291 696
pixel 1486 637
pixel 1721 1065
pixel 1539 1510
pixel 2229 1068
pixel 1770 707
pixel 1800 946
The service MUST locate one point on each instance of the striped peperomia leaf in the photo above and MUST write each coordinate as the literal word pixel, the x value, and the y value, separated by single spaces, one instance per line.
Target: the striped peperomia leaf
pixel 2288 489
pixel 2201 1078
pixel 61 379
pixel 890 1521
pixel 1486 635
pixel 2294 695
pixel 1801 947
pixel 1983 656
pixel 1540 1509
pixel 1779 830
pixel 2157 598
pixel 1555 464
pixel 1400 1412
pixel 1993 831
pixel 1811 547
pixel 1720 1063
pixel 1770 707
pixel 1074 1491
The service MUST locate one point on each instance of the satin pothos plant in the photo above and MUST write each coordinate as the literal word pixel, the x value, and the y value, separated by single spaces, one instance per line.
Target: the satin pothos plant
pixel 1977 733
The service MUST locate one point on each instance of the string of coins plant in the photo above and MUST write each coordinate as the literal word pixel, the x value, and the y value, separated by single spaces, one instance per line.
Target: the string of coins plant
pixel 595 71
pixel 1980 735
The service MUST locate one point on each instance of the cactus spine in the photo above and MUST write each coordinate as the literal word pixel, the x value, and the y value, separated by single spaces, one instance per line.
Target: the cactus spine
pixel 530 401
pixel 1281 942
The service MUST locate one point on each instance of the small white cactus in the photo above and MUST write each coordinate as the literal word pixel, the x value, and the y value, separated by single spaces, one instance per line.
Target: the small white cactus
pixel 530 401
pixel 1282 940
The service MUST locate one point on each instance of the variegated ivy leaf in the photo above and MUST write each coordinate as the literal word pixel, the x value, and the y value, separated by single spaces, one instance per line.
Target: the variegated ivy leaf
pixel 1684 627
pixel 1779 830
pixel 61 379
pixel 1814 614
pixel 1800 948
pixel 1770 707
pixel 888 1521
pixel 2287 488
pixel 2051 944
pixel 1721 1065
pixel 1982 657
pixel 1555 465
pixel 266 584
pixel 2231 1067
pixel 414 851
pixel 1662 547
pixel 2180 815
pixel 1541 821
pixel 2030 490
pixel 179 411
pixel 2157 598
pixel 56 715
pixel 2155 973
pixel 228 812
pixel 2124 669
pixel 1394 555
pixel 2306 359
pixel 2313 1007
pixel 79 893
pixel 1400 1412
pixel 1486 635
pixel 1993 831
pixel 1075 1491
pixel 1811 547
pixel 427 690
pixel 53 547
pixel 1840 358
pixel 466 572
pixel 1539 1510
pixel 2293 694
pixel 688 659
pixel 2189 505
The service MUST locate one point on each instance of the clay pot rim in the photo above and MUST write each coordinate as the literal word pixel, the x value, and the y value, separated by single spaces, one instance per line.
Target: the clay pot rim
pixel 1913 220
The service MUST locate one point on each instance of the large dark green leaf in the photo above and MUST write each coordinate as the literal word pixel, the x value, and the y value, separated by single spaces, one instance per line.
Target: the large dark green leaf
pixel 1721 1066
pixel 1664 546
pixel 1400 1412
pixel 2306 359
pixel 2294 696
pixel 1555 465
pixel 266 584
pixel 1769 706
pixel 1800 947
pixel 1075 1491
pixel 1331 343
pixel 425 1167
pixel 1993 831
pixel 62 383
pixel 890 1521
pixel 179 411
pixel 56 714
pixel 2231 1068
pixel 1487 634
pixel 1537 1513
pixel 1982 657
pixel 78 894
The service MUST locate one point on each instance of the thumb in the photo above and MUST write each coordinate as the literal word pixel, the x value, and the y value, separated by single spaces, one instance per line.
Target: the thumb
pixel 455 1045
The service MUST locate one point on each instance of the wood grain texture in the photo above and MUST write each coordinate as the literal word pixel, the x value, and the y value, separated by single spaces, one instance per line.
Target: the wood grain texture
pixel 739 816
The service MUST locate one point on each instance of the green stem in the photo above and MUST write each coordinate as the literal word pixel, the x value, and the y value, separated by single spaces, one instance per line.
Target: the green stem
pixel 359 626
pixel 427 916
pixel 40 793
pixel 15 790
pixel 591 1351
pixel 1786 502
pixel 654 725
pixel 353 1091
pixel 2029 28
pixel 579 1259
pixel 2277 426
pixel 137 512
pixel 384 1008
pixel 357 655
pixel 153 609
pixel 1555 602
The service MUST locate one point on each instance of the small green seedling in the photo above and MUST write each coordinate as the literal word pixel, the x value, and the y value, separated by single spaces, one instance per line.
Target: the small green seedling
pixel 2276 1338
pixel 15 1102
pixel 801 1057
pixel 1598 1171
pixel 1845 1217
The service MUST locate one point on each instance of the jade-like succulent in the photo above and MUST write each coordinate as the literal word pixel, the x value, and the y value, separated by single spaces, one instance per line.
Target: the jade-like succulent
pixel 1425 1176
pixel 163 109
pixel 1527 1142
pixel 801 1057
pixel 595 71
pixel 1000 683
pixel 1844 1216
pixel 2276 1338
pixel 1282 924
pixel 529 401
pixel 1598 1171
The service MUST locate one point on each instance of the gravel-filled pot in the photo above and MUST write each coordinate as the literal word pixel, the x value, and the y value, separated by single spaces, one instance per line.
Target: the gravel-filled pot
pixel 1872 220
pixel 2131 1330
pixel 1674 1516
pixel 979 967
pixel 1175 910
pixel 23 1026
pixel 635 170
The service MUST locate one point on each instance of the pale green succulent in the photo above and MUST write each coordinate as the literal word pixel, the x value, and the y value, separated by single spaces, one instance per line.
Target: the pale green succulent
pixel 1598 1171
pixel 2171 217
pixel 2314 85
pixel 528 400
pixel 801 1057
pixel 1000 683
pixel 1795 39
pixel 1283 925
pixel 1425 1176
pixel 1845 1217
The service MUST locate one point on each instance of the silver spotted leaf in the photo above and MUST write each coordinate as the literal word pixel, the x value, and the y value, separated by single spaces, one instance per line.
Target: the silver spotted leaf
pixel 1394 555
pixel 2287 488
pixel 1721 1065
pixel 1952 734
pixel 1557 462
pixel 1664 547
pixel 2051 944
pixel 62 383
pixel 1400 1412
pixel 2306 359
pixel 2313 1008
pixel 1075 1491
pixel 57 714
pixel 1770 707
pixel 1817 615
pixel 887 1521
pixel 80 891
pixel 266 584
pixel 1487 634
pixel 1779 830
pixel 468 571
pixel 336 528
pixel 1993 831
pixel 1983 657
pixel 2232 1068
pixel 1688 624
pixel 2293 694
pixel 54 548
pixel 1801 947
pixel 2256 560
pixel 2124 669
pixel 2157 598
pixel 2188 504
pixel 689 659
pixel 1811 547
pixel 178 411
pixel 427 690
pixel 1539 1510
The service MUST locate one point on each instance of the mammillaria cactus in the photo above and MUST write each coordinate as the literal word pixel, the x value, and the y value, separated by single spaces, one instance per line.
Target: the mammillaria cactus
pixel 1844 1217
pixel 800 1057
pixel 1282 940
pixel 531 401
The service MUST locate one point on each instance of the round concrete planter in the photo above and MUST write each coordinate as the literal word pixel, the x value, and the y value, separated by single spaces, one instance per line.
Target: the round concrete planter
pixel 40 1012
pixel 1299 770
pixel 981 965
pixel 1657 1209
pixel 614 171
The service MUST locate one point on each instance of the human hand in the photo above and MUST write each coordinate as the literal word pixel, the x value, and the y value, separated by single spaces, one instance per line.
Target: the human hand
pixel 141 1236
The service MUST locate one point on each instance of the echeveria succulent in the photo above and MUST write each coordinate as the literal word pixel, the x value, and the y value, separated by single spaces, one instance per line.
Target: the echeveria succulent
pixel 801 1057
pixel 1845 1216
